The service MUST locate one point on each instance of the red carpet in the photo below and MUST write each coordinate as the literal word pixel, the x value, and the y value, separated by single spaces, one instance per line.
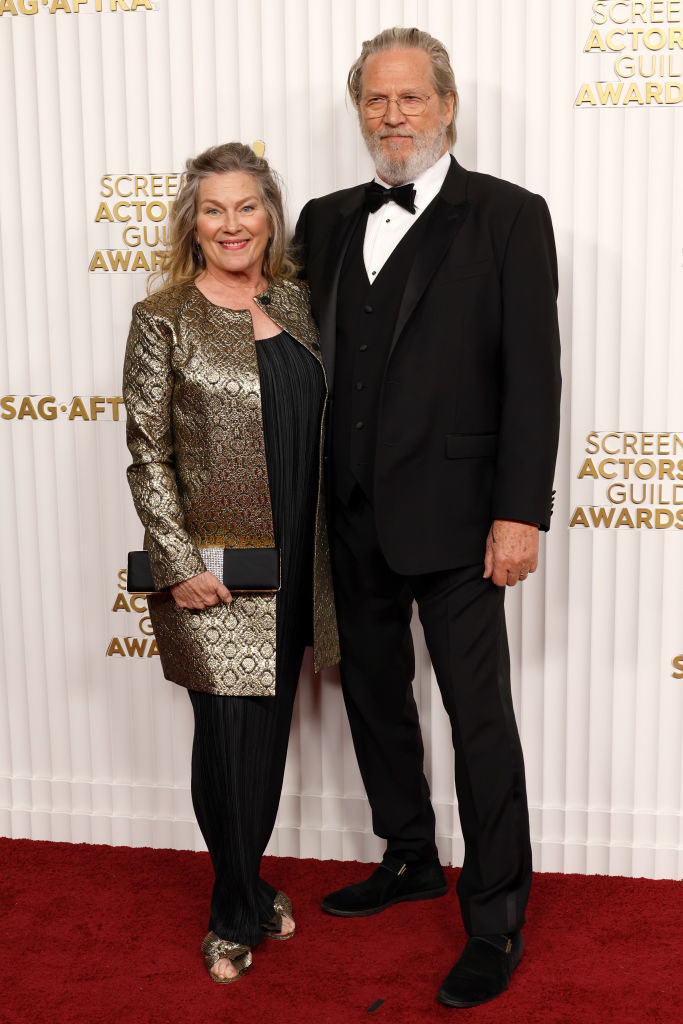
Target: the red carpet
pixel 93 934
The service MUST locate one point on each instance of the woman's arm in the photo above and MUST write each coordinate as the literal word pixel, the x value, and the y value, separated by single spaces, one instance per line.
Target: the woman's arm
pixel 148 394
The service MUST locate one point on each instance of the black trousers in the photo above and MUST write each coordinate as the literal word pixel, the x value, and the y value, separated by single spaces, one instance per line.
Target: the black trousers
pixel 463 619
pixel 238 762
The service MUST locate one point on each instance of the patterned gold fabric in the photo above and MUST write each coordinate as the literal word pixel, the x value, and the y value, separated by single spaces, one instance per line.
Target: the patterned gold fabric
pixel 199 479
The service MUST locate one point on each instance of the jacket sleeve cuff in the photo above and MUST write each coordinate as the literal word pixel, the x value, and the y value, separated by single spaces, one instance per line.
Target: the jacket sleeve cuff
pixel 517 512
pixel 173 562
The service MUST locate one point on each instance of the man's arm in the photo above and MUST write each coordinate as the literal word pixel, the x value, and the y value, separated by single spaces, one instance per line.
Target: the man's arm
pixel 300 241
pixel 531 382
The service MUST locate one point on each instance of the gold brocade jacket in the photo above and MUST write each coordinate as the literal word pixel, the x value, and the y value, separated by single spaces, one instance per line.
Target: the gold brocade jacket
pixel 199 479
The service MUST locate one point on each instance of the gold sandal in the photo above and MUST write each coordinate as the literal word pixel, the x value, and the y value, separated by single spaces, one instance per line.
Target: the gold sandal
pixel 215 949
pixel 282 905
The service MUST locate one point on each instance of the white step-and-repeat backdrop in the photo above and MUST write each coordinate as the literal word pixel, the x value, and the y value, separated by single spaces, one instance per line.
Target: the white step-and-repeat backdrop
pixel 102 101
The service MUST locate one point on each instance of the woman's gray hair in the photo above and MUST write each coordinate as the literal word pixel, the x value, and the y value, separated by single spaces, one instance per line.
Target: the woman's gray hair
pixel 184 259
pixel 409 39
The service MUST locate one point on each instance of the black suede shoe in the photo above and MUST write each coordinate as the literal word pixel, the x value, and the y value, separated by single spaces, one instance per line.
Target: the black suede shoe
pixel 392 882
pixel 483 970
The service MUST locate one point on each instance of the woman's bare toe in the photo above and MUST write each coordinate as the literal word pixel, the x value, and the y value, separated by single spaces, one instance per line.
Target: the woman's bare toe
pixel 224 968
pixel 288 926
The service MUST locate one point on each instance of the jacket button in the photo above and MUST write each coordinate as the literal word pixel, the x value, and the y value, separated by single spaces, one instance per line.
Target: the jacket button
pixel 315 345
pixel 360 425
pixel 265 299
pixel 359 385
pixel 362 348
pixel 368 309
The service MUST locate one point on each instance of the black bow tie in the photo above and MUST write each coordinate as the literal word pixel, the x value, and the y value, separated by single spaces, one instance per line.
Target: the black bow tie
pixel 377 195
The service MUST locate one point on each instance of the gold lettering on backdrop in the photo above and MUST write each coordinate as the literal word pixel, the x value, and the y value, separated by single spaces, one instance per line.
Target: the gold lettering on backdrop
pixel 90 408
pixel 646 39
pixel 644 476
pixel 47 409
pixel 115 647
pixel 27 409
pixel 621 12
pixel 149 236
pixel 18 7
pixel 120 259
pixel 121 604
pixel 677 663
pixel 141 204
pixel 78 410
pixel 140 261
pixel 640 494
pixel 130 646
pixel 586 95
pixel 609 92
pixel 598 515
pixel 647 67
pixel 128 186
pixel 633 95
pixel 103 213
pixel 142 646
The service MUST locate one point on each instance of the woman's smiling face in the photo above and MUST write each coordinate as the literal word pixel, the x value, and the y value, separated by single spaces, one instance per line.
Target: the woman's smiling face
pixel 232 226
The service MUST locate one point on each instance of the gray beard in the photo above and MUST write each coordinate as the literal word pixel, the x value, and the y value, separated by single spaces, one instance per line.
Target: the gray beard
pixel 397 170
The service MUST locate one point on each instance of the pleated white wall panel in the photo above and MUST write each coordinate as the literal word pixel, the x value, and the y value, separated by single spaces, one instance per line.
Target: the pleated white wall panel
pixel 96 748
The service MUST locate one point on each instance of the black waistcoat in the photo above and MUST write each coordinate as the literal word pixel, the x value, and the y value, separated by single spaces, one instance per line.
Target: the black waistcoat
pixel 366 315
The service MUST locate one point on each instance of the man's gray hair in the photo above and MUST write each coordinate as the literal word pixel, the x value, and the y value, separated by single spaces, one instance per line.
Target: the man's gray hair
pixel 409 39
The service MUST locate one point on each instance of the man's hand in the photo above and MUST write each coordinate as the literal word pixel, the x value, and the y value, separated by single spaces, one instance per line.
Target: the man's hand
pixel 199 592
pixel 511 552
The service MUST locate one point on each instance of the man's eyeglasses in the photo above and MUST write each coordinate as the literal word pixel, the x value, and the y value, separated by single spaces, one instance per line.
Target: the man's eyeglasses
pixel 410 105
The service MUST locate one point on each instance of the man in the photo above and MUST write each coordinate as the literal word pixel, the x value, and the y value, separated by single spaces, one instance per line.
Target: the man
pixel 435 292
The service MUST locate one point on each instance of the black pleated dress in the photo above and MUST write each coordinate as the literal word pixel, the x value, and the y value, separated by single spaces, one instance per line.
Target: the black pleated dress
pixel 240 743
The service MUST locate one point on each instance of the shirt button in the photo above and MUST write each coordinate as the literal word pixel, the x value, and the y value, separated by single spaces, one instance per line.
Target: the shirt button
pixel 367 309
pixel 362 348
pixel 359 385
pixel 374 272
pixel 360 425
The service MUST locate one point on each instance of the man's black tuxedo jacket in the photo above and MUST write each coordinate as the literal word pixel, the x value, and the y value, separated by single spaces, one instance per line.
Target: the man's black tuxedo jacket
pixel 469 404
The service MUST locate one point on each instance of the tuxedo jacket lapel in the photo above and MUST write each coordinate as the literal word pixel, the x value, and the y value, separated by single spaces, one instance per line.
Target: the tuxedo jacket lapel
pixel 446 219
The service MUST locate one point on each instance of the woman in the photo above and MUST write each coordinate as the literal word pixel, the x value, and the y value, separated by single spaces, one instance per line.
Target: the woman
pixel 225 395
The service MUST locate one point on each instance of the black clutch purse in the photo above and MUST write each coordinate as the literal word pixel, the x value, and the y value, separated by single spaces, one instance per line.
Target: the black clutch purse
pixel 243 570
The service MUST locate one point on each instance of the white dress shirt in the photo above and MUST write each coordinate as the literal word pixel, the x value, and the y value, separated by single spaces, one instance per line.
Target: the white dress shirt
pixel 387 226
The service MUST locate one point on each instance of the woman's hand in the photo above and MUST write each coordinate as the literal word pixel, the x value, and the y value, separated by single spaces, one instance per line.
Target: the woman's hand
pixel 199 592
